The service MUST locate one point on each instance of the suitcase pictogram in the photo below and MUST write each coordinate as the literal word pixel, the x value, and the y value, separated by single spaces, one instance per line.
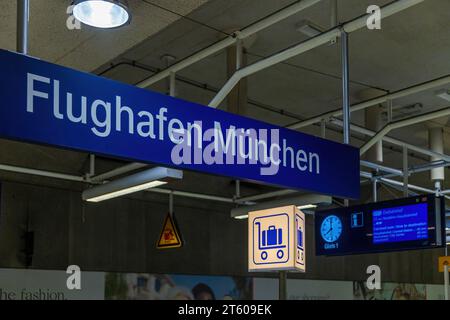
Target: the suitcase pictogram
pixel 270 239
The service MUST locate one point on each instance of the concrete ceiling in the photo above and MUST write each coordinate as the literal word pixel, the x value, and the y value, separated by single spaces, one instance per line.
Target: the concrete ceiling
pixel 412 47
pixel 86 48
pixel 401 54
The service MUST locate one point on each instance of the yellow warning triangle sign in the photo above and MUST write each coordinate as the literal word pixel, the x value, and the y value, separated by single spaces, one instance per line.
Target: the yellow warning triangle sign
pixel 169 238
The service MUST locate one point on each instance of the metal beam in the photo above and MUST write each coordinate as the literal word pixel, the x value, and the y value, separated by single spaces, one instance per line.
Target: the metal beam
pixel 41 173
pixel 394 141
pixel 368 103
pixel 230 40
pixel 307 45
pixel 403 123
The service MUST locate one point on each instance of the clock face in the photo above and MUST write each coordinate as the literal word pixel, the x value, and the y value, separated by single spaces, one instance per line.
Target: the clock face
pixel 331 228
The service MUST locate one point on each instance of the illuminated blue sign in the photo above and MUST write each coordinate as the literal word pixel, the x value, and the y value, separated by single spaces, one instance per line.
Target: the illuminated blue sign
pixel 405 223
pixel 53 105
pixel 401 224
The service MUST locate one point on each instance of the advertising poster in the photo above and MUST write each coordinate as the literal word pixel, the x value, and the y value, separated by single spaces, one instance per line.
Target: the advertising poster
pixel 390 291
pixel 133 286
pixel 298 289
pixel 23 284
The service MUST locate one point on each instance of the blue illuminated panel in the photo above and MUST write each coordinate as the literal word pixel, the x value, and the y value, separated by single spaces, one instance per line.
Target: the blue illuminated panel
pixel 400 224
pixel 405 223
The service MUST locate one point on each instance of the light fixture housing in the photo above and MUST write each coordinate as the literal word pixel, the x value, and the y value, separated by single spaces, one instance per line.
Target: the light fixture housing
pixel 444 94
pixel 105 14
pixel 140 181
pixel 302 202
pixel 309 29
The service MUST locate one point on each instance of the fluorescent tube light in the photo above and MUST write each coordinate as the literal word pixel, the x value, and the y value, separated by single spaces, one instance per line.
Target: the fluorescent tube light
pixel 115 194
pixel 140 181
pixel 307 206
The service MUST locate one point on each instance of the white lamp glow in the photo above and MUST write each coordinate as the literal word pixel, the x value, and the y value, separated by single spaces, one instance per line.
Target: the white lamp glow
pixel 101 13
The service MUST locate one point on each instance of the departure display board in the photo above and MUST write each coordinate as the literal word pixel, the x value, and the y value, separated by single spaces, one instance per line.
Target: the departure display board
pixel 401 224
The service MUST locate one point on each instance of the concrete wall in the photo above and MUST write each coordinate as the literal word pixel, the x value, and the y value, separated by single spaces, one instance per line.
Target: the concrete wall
pixel 120 235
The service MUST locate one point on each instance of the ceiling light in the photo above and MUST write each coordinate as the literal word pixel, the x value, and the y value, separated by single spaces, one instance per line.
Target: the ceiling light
pixel 302 202
pixel 307 206
pixel 130 184
pixel 102 13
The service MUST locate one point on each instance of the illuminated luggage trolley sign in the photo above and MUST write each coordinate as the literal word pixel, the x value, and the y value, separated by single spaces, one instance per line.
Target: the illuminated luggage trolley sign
pixel 277 239
pixel 271 239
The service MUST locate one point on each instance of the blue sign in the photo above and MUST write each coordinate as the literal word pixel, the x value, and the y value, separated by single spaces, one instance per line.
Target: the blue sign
pixel 401 224
pixel 300 227
pixel 53 105
pixel 404 223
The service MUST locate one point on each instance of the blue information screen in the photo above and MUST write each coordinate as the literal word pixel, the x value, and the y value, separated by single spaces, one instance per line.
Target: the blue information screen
pixel 394 225
pixel 399 224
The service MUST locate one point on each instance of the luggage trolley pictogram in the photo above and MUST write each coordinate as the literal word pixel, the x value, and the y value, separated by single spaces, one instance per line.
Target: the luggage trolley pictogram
pixel 270 239
pixel 300 248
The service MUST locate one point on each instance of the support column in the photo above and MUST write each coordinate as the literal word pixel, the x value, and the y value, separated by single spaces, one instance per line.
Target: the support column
pixel 282 288
pixel 373 121
pixel 237 99
pixel 172 79
pixel 436 143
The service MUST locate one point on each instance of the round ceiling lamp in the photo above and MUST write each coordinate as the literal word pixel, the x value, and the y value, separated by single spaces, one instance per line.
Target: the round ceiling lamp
pixel 102 13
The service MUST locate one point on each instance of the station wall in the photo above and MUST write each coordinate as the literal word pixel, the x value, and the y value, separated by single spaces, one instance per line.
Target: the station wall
pixel 120 235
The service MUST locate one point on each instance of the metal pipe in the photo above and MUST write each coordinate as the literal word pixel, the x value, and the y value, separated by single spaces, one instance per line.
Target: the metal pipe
pixel 374 190
pixel 410 186
pixel 323 128
pixel 418 168
pixel 305 46
pixel 270 61
pixel 238 189
pixel 376 166
pixel 446 283
pixel 230 40
pixel 382 99
pixel 91 165
pixel 42 173
pixel 171 204
pixel 403 123
pixel 345 86
pixel 405 171
pixel 172 84
pixel 23 15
